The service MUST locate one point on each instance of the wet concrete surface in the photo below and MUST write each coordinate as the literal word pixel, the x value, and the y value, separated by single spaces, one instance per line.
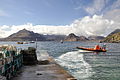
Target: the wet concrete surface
pixel 51 71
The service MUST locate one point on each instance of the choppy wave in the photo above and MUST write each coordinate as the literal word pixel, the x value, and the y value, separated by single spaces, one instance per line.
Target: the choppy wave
pixel 74 62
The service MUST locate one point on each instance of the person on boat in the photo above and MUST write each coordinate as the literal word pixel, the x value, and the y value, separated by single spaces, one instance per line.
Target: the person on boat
pixel 97 47
pixel 104 46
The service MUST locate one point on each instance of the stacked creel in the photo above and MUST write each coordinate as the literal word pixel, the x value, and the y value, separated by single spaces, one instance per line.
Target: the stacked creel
pixel 10 61
pixel 29 56
pixel 2 78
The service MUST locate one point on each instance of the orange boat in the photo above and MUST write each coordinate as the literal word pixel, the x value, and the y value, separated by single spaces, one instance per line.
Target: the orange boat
pixel 92 49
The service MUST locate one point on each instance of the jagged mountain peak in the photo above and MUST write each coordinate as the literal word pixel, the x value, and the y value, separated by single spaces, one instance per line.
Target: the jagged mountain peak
pixel 73 37
pixel 26 35
pixel 25 31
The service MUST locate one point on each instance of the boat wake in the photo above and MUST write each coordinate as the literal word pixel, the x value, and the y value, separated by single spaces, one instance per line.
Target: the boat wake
pixel 84 51
pixel 75 64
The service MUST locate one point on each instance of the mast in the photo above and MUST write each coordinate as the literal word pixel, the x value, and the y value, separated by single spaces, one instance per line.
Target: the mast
pixel 36 43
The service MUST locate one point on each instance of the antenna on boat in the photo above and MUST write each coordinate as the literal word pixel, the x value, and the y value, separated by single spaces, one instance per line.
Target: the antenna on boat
pixel 36 43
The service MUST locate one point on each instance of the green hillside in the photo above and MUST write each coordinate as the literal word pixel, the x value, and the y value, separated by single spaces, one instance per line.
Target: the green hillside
pixel 113 38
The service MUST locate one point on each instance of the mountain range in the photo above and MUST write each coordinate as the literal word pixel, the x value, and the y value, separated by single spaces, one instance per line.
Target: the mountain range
pixel 26 35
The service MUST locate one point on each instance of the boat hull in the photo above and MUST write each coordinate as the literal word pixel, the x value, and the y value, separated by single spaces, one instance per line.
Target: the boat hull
pixel 91 49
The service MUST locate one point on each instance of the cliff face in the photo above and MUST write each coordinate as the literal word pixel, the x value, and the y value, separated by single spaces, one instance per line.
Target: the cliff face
pixel 25 35
pixel 73 37
pixel 113 38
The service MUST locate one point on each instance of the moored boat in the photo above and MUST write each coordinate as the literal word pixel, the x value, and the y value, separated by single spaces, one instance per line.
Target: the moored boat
pixel 32 41
pixel 19 42
pixel 22 42
pixel 25 42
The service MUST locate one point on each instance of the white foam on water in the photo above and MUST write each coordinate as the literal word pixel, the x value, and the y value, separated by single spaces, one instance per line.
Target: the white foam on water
pixel 76 64
pixel 42 55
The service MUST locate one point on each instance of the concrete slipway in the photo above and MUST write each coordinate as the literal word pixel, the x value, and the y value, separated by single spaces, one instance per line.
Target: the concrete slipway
pixel 46 69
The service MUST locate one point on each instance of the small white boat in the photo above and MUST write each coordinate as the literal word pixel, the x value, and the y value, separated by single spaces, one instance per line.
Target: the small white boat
pixel 61 41
pixel 32 41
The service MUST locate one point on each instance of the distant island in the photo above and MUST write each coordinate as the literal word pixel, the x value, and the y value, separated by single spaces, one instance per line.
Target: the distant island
pixel 26 35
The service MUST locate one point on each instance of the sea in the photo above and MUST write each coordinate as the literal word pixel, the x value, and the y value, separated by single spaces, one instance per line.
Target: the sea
pixel 83 65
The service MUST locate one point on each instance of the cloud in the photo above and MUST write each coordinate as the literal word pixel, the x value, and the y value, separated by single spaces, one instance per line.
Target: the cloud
pixel 42 29
pixel 101 6
pixel 96 7
pixel 2 33
pixel 95 25
pixel 116 4
pixel 113 15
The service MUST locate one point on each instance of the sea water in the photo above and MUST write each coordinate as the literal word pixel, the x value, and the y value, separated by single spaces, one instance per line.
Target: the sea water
pixel 83 65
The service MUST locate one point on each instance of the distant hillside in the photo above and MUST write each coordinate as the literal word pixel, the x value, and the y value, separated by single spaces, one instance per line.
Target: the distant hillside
pixel 54 37
pixel 82 38
pixel 113 38
pixel 25 35
pixel 96 37
pixel 73 37
pixel 115 31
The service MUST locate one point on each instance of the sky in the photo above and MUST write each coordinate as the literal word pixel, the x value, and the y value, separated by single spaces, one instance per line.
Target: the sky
pixel 82 17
